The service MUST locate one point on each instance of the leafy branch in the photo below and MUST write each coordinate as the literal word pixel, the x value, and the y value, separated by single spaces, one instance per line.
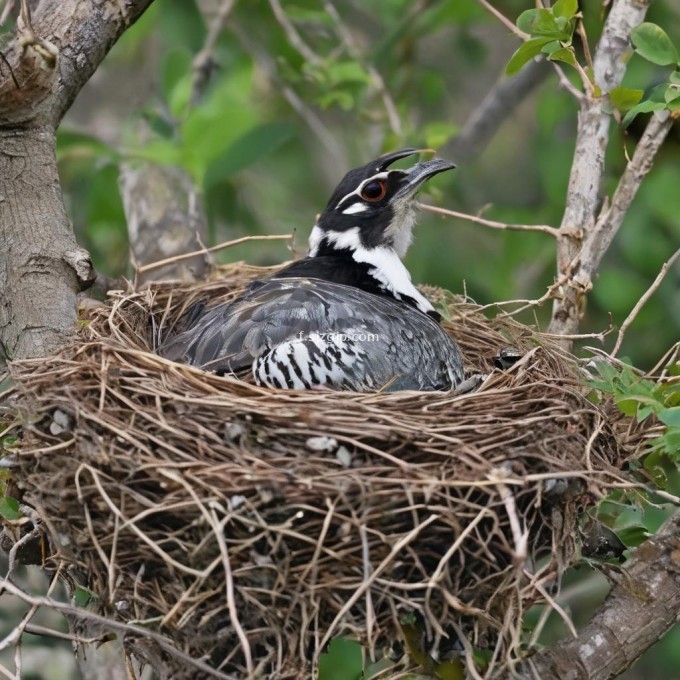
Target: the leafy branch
pixel 653 44
pixel 550 31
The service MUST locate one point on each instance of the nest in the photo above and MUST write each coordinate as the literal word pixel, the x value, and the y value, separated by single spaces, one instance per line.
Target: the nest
pixel 251 526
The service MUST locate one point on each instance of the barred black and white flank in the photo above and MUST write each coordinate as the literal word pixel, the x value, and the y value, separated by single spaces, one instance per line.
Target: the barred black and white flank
pixel 346 316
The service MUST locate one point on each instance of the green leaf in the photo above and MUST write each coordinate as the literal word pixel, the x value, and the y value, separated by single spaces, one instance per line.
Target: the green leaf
pixel 630 403
pixel 336 98
pixel 566 55
pixel 624 98
pixel 525 52
pixel 161 151
pixel 670 416
pixel 82 596
pixel 653 44
pixel 672 93
pixel 565 8
pixel 633 536
pixel 347 72
pixel 343 661
pixel 538 22
pixel 551 47
pixel 9 508
pixel 643 107
pixel 71 143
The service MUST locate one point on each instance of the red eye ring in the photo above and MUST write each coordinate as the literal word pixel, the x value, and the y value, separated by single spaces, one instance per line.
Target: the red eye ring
pixel 374 190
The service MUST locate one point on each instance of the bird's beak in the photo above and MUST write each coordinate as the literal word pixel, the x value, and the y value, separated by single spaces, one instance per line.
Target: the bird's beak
pixel 420 173
pixel 385 161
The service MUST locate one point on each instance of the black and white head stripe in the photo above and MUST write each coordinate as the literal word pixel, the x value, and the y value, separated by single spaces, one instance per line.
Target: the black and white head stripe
pixel 370 191
pixel 370 218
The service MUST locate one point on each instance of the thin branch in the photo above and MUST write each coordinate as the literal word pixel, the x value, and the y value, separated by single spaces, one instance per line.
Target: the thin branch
pixel 567 84
pixel 212 249
pixel 6 11
pixel 504 20
pixel 587 83
pixel 643 300
pixel 581 30
pixel 519 536
pixel 167 645
pixel 204 61
pixel 597 242
pixel 355 53
pixel 584 194
pixel 43 631
pixel 315 124
pixel 555 606
pixel 294 38
pixel 493 224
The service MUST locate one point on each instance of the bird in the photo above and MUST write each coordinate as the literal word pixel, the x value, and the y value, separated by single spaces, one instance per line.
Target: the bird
pixel 347 316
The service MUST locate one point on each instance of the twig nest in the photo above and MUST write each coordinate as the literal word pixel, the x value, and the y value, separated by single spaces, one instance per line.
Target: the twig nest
pixel 251 526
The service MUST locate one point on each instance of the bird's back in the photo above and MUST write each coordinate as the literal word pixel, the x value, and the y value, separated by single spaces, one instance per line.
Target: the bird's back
pixel 304 332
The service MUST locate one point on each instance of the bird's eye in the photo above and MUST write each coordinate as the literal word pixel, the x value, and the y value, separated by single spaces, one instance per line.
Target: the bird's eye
pixel 374 190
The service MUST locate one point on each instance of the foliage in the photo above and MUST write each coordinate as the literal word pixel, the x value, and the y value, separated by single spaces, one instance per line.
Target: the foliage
pixel 635 515
pixel 344 661
pixel 551 32
pixel 653 44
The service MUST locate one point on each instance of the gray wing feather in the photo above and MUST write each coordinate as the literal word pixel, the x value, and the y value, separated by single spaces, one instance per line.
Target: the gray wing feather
pixel 406 346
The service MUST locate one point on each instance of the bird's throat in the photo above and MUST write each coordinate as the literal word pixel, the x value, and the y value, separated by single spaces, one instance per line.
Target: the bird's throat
pixel 384 264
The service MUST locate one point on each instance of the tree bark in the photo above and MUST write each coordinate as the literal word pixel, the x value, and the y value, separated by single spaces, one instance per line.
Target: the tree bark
pixel 49 59
pixel 41 266
pixel 584 195
pixel 165 217
pixel 639 610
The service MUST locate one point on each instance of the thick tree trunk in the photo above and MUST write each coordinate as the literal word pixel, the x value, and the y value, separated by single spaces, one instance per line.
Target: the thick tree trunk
pixel 41 266
pixel 42 70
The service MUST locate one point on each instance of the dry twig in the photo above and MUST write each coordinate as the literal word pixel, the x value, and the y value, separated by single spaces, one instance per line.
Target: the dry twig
pixel 643 300
pixel 493 224
pixel 213 249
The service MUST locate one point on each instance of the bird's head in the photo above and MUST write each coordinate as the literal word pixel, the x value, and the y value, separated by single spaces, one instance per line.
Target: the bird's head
pixel 373 207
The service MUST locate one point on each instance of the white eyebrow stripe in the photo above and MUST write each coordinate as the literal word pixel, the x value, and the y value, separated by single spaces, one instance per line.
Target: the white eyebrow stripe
pixel 357 191
pixel 355 208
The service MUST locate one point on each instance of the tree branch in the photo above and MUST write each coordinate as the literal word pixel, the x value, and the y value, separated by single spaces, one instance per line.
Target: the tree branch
pixel 109 624
pixel 597 241
pixel 204 62
pixel 165 218
pixel 588 167
pixel 643 301
pixel 493 224
pixel 641 607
